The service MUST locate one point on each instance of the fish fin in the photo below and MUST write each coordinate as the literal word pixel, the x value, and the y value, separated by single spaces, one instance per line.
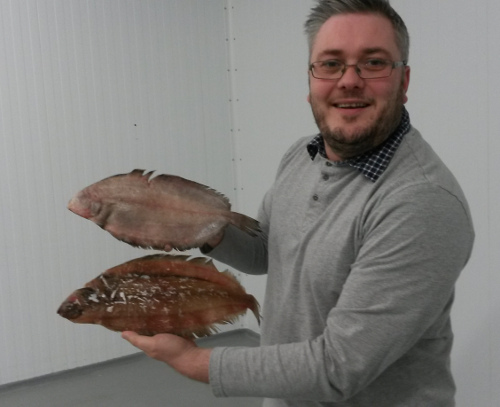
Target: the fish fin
pixel 166 256
pixel 203 261
pixel 134 243
pixel 137 172
pixel 246 223
pixel 255 308
pixel 183 183
pixel 198 332
pixel 229 279
pixel 232 277
pixel 145 265
pixel 232 318
pixel 161 264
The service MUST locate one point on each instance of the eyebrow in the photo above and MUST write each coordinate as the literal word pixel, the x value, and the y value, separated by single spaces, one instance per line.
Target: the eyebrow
pixel 366 51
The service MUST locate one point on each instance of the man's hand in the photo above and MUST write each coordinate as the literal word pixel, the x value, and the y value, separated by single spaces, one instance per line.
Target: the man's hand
pixel 182 354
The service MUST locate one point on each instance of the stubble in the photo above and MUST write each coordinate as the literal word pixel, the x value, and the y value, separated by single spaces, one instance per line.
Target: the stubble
pixel 358 141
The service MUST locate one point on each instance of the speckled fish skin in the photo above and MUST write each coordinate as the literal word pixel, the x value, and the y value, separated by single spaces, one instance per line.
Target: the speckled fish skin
pixel 161 293
pixel 160 212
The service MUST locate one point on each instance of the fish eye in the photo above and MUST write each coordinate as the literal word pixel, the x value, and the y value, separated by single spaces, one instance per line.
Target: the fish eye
pixel 88 294
pixel 95 208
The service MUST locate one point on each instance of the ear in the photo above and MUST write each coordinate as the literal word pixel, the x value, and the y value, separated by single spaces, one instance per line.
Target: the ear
pixel 406 83
pixel 309 85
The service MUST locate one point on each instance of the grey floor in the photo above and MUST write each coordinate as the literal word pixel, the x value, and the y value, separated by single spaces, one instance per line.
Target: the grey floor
pixel 127 382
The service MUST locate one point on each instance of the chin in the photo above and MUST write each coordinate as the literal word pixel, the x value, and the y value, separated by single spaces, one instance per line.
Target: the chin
pixel 348 133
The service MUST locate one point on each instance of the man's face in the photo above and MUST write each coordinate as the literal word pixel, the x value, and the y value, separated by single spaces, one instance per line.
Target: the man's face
pixel 355 114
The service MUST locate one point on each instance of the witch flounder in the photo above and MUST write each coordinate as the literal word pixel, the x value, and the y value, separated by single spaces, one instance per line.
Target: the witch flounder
pixel 160 212
pixel 161 293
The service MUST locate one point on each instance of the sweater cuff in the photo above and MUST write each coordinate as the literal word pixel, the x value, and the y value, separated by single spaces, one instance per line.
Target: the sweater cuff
pixel 215 370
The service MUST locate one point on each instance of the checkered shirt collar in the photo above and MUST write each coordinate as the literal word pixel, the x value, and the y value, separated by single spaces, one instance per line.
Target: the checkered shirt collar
pixel 374 162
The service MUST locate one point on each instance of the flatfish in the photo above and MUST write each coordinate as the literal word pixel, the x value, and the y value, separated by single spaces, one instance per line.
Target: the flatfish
pixel 161 293
pixel 159 212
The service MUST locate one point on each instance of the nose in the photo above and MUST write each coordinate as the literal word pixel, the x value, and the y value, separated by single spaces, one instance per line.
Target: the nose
pixel 350 79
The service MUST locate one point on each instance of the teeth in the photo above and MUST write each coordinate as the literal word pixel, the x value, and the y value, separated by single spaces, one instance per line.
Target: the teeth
pixel 351 105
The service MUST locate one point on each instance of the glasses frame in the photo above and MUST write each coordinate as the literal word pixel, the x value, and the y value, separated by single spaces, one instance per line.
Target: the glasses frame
pixel 394 64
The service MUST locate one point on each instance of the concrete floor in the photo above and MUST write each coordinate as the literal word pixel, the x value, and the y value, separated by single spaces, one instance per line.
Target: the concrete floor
pixel 131 381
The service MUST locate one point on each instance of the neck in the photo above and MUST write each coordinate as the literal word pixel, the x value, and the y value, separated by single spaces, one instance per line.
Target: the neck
pixel 332 155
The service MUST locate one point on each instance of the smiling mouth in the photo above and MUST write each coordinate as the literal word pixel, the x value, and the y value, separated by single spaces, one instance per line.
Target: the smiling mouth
pixel 350 105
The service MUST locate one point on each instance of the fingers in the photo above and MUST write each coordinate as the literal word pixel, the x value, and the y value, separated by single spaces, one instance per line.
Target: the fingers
pixel 129 335
pixel 182 354
pixel 135 339
pixel 153 346
pixel 160 346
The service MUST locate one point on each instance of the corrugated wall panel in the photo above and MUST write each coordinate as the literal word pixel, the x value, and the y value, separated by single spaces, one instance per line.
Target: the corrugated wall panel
pixel 91 88
pixel 270 86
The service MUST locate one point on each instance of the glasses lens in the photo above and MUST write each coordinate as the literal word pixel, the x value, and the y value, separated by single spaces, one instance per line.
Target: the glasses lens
pixel 327 69
pixel 375 68
pixel 368 69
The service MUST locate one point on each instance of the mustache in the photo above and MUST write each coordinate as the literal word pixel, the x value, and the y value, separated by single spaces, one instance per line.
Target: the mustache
pixel 352 95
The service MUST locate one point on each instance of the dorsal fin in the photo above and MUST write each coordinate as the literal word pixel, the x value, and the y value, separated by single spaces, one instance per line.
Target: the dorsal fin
pixel 176 265
pixel 183 184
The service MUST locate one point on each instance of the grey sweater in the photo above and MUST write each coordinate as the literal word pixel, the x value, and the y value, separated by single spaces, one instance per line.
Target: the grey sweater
pixel 360 284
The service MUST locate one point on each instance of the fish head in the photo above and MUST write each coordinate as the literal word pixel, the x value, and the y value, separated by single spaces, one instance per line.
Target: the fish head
pixel 85 204
pixel 79 305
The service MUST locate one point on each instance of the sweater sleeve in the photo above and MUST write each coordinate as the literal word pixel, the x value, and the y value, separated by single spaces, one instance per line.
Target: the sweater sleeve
pixel 242 251
pixel 394 303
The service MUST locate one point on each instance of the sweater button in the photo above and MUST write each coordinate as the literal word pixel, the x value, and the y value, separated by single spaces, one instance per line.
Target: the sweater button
pixel 328 164
pixel 326 177
pixel 315 197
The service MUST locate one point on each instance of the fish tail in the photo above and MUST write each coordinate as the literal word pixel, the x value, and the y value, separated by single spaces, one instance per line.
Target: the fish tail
pixel 246 223
pixel 254 307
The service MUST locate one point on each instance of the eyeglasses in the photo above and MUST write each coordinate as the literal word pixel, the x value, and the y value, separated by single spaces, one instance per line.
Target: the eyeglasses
pixel 368 69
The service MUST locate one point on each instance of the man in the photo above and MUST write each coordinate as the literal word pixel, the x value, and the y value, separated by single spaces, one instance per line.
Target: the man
pixel 365 234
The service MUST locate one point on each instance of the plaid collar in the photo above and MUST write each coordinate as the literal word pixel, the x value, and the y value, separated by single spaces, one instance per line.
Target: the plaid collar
pixel 374 162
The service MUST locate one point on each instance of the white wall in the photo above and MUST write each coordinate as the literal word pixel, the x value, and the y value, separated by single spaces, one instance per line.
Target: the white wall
pixel 90 89
pixel 76 76
pixel 269 55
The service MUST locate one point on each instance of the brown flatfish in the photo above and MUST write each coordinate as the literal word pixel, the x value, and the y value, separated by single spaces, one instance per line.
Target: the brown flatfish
pixel 161 293
pixel 160 212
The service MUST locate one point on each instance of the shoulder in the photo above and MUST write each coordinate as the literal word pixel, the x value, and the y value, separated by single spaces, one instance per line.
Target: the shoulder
pixel 296 154
pixel 417 169
pixel 418 186
pixel 298 147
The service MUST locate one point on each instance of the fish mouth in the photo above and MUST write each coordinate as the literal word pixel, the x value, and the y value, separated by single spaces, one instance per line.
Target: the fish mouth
pixel 70 309
pixel 77 208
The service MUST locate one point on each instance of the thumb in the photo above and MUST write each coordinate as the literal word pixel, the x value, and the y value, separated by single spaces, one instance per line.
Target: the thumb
pixel 135 339
pixel 129 335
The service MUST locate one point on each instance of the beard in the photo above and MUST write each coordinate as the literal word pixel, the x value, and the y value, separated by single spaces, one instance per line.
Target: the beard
pixel 360 140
